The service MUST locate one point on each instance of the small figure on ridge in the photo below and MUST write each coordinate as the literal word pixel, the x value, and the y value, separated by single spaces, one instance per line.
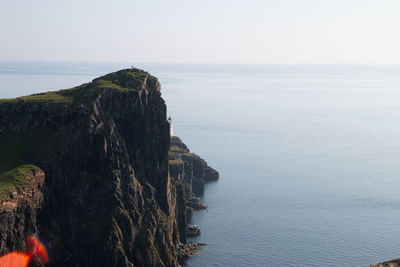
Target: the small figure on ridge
pixel 171 127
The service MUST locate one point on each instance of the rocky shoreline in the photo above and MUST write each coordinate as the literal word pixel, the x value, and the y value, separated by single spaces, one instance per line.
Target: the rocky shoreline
pixel 190 171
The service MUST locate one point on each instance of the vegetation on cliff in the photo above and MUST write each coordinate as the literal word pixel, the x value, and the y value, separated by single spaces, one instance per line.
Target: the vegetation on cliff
pixel 124 81
pixel 12 179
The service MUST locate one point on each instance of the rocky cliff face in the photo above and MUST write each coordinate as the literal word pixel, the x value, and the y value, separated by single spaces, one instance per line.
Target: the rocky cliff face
pixel 191 171
pixel 103 148
pixel 19 207
pixel 188 171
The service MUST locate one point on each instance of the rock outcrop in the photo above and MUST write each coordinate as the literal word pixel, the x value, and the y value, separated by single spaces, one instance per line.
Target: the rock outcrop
pixel 191 171
pixel 19 207
pixel 187 250
pixel 392 263
pixel 103 148
pixel 192 230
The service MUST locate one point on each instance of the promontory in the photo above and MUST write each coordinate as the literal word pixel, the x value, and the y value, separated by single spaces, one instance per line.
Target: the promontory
pixel 89 171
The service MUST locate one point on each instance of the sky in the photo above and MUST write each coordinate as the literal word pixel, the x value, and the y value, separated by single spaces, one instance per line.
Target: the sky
pixel 202 31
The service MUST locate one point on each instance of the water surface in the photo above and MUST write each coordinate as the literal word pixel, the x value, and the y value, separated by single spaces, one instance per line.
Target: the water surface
pixel 309 156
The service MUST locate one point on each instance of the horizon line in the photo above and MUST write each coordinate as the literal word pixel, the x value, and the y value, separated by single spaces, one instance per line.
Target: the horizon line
pixel 131 63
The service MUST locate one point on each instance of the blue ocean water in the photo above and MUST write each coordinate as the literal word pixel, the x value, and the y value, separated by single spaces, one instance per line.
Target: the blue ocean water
pixel 309 156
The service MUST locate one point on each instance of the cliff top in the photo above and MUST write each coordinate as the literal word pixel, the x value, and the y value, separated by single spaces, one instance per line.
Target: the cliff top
pixel 124 80
pixel 18 148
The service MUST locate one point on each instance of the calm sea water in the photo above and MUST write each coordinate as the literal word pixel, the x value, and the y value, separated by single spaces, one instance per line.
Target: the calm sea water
pixel 309 156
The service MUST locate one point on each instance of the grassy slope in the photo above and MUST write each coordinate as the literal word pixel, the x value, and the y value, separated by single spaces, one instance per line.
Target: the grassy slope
pixel 126 80
pixel 175 161
pixel 174 154
pixel 12 179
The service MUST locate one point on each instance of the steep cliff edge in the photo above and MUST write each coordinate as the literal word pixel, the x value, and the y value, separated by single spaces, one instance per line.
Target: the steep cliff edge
pixel 103 150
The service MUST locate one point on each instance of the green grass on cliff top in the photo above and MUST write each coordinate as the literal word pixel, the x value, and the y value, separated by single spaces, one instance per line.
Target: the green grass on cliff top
pixel 10 180
pixel 175 161
pixel 173 148
pixel 124 80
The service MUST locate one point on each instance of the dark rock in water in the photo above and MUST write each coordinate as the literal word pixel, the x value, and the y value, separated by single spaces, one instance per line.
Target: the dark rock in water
pixel 392 263
pixel 103 148
pixel 194 202
pixel 187 250
pixel 193 230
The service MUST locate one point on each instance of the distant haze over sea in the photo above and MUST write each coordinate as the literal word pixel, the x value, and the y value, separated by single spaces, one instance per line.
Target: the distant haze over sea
pixel 308 155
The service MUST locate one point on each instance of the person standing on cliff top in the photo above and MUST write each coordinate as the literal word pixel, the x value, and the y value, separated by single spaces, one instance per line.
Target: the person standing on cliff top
pixel 171 127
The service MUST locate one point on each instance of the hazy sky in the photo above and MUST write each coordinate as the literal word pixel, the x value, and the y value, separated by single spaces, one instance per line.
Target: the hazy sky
pixel 206 31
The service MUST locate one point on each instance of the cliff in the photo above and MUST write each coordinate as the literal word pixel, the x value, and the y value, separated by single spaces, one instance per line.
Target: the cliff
pixel 108 198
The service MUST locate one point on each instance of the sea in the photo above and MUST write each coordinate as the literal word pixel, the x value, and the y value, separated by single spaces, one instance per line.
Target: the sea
pixel 308 155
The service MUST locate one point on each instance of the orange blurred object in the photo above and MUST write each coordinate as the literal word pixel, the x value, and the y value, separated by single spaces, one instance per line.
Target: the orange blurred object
pixel 35 247
pixel 15 259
